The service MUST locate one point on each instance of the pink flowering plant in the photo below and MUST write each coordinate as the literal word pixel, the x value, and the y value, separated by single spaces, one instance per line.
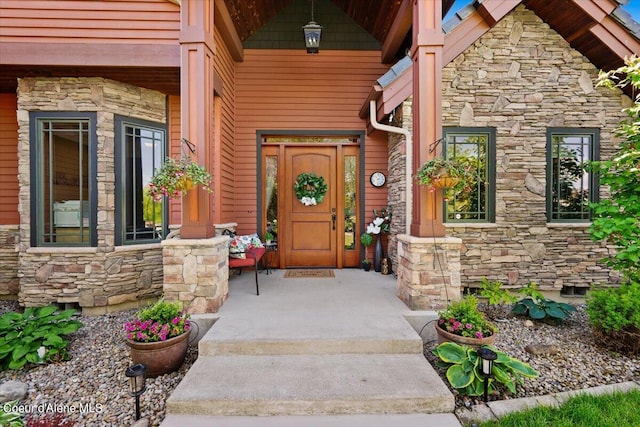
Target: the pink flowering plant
pixel 463 318
pixel 175 177
pixel 158 322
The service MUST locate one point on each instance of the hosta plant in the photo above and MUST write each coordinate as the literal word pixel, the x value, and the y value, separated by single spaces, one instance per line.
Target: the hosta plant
pixel 464 369
pixel 537 307
pixel 9 417
pixel 35 336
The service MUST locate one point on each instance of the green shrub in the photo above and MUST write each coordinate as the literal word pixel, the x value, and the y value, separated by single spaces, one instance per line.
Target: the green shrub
pixel 616 218
pixel 497 298
pixel 9 418
pixel 464 369
pixel 35 336
pixel 614 314
pixel 537 307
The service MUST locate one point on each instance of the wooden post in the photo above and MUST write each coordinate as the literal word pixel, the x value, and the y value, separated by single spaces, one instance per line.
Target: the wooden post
pixel 426 52
pixel 197 53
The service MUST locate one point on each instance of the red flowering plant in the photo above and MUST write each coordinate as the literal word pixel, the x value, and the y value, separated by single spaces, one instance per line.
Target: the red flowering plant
pixel 463 318
pixel 158 322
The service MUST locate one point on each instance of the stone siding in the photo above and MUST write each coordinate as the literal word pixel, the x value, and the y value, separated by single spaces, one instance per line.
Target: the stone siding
pixel 397 180
pixel 196 273
pixel 9 282
pixel 428 271
pixel 105 276
pixel 522 78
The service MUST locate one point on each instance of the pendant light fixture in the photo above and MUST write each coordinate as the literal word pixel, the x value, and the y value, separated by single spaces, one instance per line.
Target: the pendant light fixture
pixel 312 33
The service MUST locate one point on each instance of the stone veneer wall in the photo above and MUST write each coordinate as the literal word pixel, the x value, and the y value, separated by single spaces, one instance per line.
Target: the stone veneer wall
pixel 9 282
pixel 428 271
pixel 105 276
pixel 521 78
pixel 196 273
pixel 397 181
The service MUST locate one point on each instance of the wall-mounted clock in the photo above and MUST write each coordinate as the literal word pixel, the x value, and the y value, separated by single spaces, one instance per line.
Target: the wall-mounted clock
pixel 378 179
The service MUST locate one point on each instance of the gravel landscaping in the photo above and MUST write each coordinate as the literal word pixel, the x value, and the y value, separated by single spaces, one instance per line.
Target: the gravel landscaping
pixel 93 379
pixel 578 363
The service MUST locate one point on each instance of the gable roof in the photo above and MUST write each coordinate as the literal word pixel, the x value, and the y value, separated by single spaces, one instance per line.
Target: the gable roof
pixel 599 29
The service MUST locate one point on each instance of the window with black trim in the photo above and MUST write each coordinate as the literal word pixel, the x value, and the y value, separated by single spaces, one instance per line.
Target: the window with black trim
pixel 477 147
pixel 141 148
pixel 63 178
pixel 570 188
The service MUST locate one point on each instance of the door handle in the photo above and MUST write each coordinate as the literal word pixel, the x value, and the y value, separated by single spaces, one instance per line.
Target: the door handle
pixel 333 218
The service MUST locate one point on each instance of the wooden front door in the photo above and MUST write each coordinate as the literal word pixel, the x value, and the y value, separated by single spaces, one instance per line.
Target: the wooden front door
pixel 310 238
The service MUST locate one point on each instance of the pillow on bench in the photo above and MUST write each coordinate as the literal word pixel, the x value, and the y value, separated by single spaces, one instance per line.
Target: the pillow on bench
pixel 238 245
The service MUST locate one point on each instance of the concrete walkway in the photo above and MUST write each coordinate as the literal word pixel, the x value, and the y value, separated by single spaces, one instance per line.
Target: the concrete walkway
pixel 306 352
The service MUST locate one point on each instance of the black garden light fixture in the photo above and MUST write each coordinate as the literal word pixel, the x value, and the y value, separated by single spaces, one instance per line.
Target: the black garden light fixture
pixel 137 375
pixel 312 33
pixel 488 356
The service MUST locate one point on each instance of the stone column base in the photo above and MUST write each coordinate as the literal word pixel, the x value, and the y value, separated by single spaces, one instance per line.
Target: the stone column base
pixel 428 271
pixel 196 273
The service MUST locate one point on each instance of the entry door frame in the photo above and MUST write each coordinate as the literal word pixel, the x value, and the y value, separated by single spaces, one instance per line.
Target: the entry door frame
pixel 360 134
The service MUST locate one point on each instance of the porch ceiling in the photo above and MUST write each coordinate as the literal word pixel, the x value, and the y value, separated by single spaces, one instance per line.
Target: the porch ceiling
pixel 375 16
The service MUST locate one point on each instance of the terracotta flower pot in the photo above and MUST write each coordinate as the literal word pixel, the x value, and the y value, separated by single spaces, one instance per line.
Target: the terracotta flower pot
pixel 444 336
pixel 161 357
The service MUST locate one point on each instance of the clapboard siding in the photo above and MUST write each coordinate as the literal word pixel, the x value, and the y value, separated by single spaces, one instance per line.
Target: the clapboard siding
pixel 8 160
pixel 289 90
pixel 89 21
pixel 225 68
pixel 173 130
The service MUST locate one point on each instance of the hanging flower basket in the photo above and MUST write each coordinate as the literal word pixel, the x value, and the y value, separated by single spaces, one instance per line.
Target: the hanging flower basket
pixel 310 188
pixel 454 174
pixel 176 177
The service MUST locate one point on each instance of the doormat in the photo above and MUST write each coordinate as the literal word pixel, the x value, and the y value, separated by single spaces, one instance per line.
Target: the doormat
pixel 308 274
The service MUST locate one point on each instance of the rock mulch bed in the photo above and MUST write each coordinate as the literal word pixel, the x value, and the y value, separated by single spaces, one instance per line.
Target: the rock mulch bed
pixel 569 358
pixel 92 383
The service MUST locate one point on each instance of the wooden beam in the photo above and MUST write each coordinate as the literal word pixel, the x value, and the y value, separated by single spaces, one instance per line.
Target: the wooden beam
pixel 97 54
pixel 228 31
pixel 617 39
pixel 428 42
pixel 493 11
pixel 197 110
pixel 463 35
pixel 397 32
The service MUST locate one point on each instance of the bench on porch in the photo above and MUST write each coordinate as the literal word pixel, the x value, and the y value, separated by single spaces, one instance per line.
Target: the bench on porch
pixel 245 251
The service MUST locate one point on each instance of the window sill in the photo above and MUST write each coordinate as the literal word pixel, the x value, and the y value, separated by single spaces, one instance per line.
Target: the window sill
pixel 568 224
pixel 62 250
pixel 138 247
pixel 471 225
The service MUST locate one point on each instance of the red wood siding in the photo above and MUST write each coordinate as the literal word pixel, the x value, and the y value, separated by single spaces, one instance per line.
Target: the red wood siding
pixel 89 21
pixel 288 90
pixel 8 160
pixel 173 130
pixel 225 68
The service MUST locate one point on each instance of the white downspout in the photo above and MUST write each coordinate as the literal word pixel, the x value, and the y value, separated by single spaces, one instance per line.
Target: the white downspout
pixel 408 159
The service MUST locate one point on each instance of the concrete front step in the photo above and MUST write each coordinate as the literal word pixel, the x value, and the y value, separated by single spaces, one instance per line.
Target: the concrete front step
pixel 310 385
pixel 313 333
pixel 385 420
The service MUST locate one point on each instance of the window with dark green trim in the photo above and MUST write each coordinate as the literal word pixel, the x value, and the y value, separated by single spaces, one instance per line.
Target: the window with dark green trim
pixel 63 178
pixel 477 146
pixel 141 148
pixel 570 188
